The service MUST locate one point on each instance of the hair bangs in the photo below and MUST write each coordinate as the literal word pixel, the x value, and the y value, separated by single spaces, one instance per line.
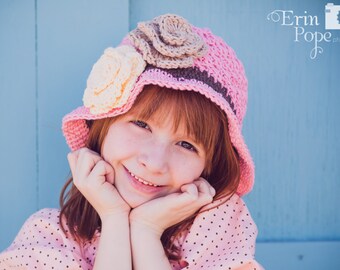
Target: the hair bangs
pixel 200 118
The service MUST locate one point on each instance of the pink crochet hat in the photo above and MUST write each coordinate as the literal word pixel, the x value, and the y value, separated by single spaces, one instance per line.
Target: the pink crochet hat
pixel 168 52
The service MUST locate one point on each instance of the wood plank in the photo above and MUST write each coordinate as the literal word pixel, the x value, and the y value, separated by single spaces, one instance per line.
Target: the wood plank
pixel 71 37
pixel 299 255
pixel 18 164
pixel 292 124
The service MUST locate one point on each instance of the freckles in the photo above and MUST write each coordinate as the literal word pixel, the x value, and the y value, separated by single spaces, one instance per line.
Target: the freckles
pixel 192 168
pixel 126 145
pixel 185 171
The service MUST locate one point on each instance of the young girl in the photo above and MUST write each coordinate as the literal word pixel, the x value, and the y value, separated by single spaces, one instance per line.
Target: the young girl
pixel 158 162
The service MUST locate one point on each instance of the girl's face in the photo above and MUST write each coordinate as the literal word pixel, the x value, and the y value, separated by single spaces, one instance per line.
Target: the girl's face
pixel 151 159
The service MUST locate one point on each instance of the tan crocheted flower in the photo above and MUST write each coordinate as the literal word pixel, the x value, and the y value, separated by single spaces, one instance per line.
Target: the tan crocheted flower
pixel 168 41
pixel 112 79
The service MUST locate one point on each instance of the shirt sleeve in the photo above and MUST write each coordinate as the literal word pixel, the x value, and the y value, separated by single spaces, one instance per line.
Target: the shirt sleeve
pixel 221 238
pixel 41 244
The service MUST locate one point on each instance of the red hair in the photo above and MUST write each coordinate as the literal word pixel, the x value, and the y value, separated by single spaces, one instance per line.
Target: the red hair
pixel 203 120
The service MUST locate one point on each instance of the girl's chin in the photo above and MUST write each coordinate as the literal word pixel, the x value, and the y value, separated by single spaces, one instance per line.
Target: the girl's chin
pixel 134 203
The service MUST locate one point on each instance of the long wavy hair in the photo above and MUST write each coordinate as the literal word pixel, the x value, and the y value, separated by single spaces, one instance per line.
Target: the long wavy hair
pixel 203 120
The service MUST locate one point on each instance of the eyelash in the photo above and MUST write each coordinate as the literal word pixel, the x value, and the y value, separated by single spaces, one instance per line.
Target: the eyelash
pixel 141 124
pixel 184 144
pixel 190 146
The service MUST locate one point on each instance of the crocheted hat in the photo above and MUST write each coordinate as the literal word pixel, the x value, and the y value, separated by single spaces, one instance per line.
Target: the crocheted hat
pixel 169 52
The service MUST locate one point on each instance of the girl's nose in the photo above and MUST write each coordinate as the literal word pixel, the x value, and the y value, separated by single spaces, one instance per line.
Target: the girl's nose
pixel 154 158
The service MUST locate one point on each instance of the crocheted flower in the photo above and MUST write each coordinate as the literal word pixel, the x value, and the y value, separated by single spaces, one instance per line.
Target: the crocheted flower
pixel 168 41
pixel 112 79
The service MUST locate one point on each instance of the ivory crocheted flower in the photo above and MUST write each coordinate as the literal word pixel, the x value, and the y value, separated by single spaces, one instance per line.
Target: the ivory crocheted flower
pixel 168 41
pixel 112 79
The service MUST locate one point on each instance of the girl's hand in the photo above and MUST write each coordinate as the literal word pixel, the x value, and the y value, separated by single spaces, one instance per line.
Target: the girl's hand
pixel 161 213
pixel 94 178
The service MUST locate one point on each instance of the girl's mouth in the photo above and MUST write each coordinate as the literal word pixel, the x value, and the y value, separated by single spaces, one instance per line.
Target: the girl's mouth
pixel 143 181
pixel 141 184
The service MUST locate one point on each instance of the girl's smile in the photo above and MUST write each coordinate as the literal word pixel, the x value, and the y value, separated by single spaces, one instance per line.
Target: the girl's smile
pixel 142 185
pixel 140 180
pixel 150 159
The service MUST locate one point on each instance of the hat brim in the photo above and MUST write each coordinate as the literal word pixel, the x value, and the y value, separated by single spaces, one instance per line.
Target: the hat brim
pixel 76 130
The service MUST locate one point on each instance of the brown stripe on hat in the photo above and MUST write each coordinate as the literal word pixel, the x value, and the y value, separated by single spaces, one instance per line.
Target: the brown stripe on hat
pixel 198 75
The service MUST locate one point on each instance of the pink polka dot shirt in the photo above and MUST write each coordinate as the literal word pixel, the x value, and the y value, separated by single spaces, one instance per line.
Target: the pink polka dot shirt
pixel 221 238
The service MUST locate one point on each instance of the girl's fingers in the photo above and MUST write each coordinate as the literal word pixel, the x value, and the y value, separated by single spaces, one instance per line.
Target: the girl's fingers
pixel 190 189
pixel 94 178
pixel 200 191
pixel 205 187
pixel 103 172
pixel 166 211
pixel 212 191
pixel 205 194
pixel 110 173
pixel 87 160
pixel 72 161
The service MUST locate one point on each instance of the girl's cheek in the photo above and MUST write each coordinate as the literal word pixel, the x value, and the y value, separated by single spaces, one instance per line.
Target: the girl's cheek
pixel 187 168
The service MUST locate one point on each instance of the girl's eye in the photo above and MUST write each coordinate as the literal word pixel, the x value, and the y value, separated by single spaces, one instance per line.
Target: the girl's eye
pixel 140 124
pixel 187 146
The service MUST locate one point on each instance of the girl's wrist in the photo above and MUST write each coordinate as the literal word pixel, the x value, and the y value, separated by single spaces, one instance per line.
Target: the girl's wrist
pixel 145 228
pixel 152 257
pixel 114 217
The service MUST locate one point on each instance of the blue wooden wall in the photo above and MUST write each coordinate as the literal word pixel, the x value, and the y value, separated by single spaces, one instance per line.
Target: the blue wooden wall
pixel 292 127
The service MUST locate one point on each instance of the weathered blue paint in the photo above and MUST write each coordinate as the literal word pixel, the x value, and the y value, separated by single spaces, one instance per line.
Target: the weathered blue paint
pixel 292 125
pixel 18 180
pixel 299 255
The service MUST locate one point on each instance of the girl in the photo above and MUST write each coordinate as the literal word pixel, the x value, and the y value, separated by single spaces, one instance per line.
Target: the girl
pixel 158 162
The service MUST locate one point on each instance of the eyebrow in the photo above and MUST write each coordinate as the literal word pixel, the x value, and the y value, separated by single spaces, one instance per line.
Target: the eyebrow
pixel 158 122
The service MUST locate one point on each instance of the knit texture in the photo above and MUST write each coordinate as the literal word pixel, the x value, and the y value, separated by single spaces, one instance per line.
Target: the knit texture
pixel 112 79
pixel 168 41
pixel 218 75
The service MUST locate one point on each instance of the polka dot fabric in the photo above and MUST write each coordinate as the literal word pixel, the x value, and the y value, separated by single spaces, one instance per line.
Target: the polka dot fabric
pixel 221 238
pixel 41 244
